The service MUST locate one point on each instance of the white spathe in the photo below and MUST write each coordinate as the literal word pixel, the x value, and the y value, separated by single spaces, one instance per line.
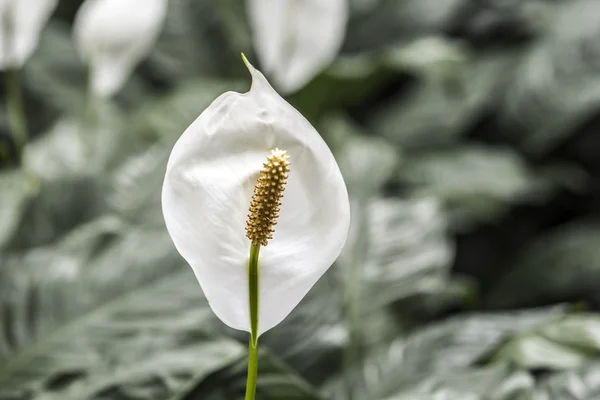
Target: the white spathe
pixel 207 191
pixel 296 39
pixel 21 23
pixel 113 36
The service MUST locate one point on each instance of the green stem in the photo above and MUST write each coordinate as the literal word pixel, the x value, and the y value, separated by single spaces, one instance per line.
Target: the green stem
pixel 15 110
pixel 86 110
pixel 352 299
pixel 252 370
pixel 88 117
pixel 253 300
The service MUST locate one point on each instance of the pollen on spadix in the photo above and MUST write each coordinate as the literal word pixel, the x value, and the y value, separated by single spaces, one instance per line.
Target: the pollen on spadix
pixel 266 200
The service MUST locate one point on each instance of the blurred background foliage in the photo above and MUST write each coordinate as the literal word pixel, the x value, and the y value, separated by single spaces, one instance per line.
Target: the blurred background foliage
pixel 467 132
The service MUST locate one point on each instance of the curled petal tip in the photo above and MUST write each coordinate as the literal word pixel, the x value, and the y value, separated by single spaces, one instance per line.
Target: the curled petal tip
pixel 258 79
pixel 244 59
pixel 248 65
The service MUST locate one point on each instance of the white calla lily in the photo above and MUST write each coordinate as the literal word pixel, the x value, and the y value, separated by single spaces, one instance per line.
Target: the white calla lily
pixel 207 192
pixel 113 36
pixel 295 40
pixel 21 22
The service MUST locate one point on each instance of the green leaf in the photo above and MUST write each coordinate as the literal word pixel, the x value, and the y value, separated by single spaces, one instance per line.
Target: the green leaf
pixel 181 51
pixel 314 327
pixel 538 352
pixel 66 185
pixel 53 208
pixel 366 163
pixel 496 383
pixel 435 112
pixel 71 151
pixel 201 38
pixel 15 191
pixel 441 349
pixel 363 5
pixel 579 384
pixel 137 325
pixel 149 343
pixel 351 78
pixel 565 343
pixel 346 82
pixel 409 250
pixel 475 183
pixel 275 381
pixel 563 264
pixel 134 187
pixel 433 58
pixel 556 85
pixel 55 74
pixel 579 330
pixel 391 21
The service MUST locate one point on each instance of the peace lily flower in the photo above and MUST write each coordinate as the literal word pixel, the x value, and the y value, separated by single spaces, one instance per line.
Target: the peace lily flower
pixel 21 22
pixel 295 40
pixel 113 36
pixel 256 204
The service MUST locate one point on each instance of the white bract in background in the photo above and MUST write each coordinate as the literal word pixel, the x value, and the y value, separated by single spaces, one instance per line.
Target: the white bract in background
pixel 208 187
pixel 113 36
pixel 297 39
pixel 21 22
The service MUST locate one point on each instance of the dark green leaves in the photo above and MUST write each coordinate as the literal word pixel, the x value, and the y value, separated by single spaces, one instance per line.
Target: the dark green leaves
pixel 133 346
pixel 567 342
pixel 566 260
pixel 467 134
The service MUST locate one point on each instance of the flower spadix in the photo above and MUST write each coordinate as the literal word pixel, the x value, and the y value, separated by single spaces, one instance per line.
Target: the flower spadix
pixel 113 36
pixel 21 22
pixel 264 208
pixel 251 170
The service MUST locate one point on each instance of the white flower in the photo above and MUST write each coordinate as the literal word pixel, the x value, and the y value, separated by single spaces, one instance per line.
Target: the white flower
pixel 21 22
pixel 297 39
pixel 113 36
pixel 208 188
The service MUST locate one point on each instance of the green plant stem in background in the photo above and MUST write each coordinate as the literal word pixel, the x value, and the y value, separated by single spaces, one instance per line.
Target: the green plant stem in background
pixel 352 300
pixel 15 110
pixel 253 300
pixel 87 105
pixel 232 25
pixel 88 117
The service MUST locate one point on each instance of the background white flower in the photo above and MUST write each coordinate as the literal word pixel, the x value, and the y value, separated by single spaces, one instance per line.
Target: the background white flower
pixel 296 39
pixel 21 22
pixel 207 191
pixel 113 36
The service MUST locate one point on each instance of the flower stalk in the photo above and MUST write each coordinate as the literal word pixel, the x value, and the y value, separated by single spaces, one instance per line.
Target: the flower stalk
pixel 88 122
pixel 253 301
pixel 15 110
pixel 352 300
